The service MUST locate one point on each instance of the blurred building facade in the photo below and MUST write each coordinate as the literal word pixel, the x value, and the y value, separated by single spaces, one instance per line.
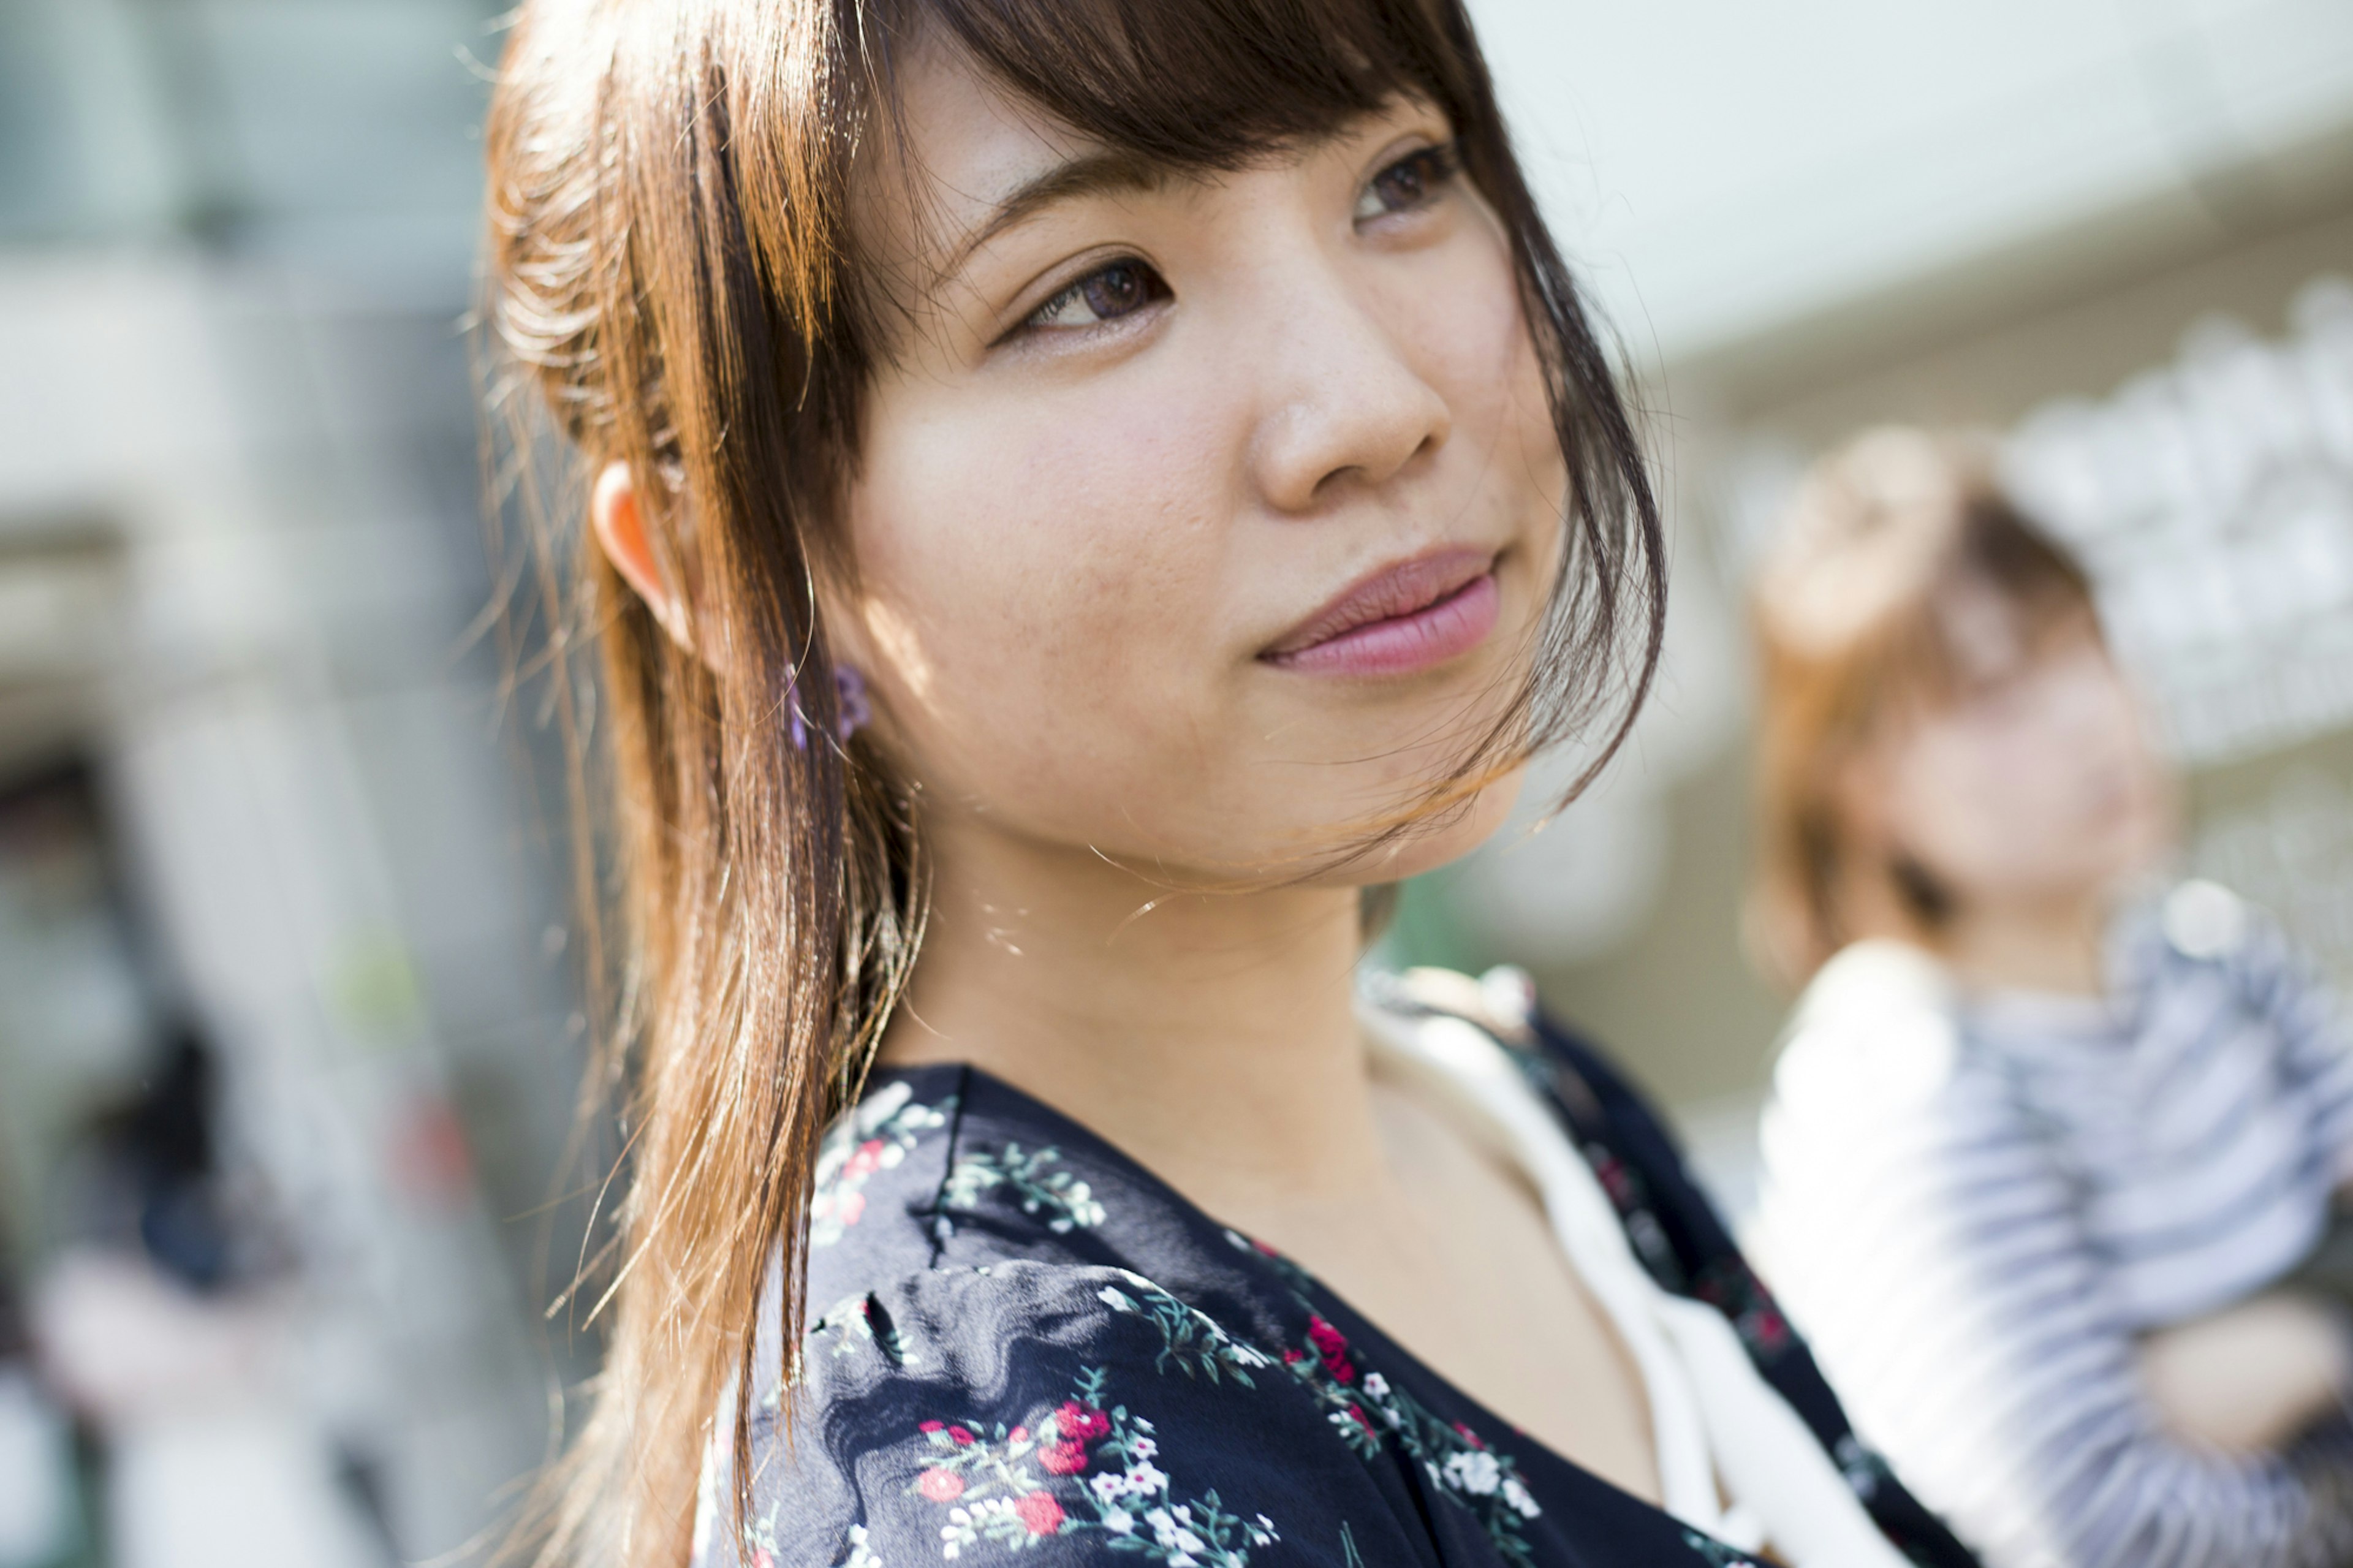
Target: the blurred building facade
pixel 257 768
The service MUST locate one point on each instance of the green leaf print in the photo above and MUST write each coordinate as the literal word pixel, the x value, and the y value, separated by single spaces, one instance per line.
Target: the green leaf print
pixel 1038 1185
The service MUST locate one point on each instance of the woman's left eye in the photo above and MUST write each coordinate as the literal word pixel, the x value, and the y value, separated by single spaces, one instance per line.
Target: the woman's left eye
pixel 1413 181
pixel 1105 294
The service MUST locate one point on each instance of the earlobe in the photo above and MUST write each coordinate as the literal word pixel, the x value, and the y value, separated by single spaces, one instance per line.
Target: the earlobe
pixel 620 526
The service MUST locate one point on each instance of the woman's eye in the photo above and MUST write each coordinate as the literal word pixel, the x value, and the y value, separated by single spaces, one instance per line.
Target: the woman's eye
pixel 1105 294
pixel 1413 181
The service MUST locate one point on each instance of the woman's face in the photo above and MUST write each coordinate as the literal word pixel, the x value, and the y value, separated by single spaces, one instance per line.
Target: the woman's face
pixel 2036 787
pixel 1195 517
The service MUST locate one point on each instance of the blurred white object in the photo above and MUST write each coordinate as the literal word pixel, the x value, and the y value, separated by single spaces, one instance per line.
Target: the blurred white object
pixel 231 1489
pixel 35 1475
pixel 2204 920
pixel 213 1459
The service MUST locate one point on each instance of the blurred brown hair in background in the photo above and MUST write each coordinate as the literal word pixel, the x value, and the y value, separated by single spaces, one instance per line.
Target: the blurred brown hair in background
pixel 1854 611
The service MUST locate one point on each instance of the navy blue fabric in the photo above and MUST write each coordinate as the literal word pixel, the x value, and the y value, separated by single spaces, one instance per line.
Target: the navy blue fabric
pixel 1023 1345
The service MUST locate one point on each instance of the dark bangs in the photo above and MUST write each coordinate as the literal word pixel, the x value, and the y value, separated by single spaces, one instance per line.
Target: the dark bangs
pixel 1209 84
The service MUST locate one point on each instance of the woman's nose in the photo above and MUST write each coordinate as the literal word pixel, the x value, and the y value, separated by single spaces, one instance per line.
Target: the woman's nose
pixel 1342 408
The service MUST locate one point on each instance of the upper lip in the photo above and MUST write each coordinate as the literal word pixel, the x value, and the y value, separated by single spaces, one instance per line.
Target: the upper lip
pixel 1402 589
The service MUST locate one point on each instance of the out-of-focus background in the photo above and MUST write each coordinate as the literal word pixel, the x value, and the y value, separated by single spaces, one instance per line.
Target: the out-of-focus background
pixel 289 1026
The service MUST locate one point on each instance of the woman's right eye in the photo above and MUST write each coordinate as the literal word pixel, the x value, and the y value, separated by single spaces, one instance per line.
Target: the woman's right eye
pixel 1107 293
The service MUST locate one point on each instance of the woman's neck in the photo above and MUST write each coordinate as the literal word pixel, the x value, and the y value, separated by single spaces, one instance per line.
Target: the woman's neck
pixel 1212 1036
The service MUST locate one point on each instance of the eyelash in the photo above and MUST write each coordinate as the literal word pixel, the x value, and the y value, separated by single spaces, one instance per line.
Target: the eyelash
pixel 1434 166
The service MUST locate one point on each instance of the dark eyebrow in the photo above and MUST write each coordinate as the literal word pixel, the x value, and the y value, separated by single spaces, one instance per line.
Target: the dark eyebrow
pixel 1111 172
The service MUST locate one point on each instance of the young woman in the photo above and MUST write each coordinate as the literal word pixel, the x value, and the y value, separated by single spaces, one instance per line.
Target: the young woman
pixel 1080 491
pixel 2049 1165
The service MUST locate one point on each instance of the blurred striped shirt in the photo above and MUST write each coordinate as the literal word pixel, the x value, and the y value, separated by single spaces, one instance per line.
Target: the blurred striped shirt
pixel 1972 1207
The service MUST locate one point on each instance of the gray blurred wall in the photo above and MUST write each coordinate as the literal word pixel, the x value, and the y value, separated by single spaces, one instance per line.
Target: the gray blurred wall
pixel 242 559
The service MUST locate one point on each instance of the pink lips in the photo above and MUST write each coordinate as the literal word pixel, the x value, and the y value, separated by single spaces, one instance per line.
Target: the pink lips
pixel 1406 619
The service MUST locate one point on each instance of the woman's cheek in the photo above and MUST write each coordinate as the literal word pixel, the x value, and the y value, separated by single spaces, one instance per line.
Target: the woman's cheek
pixel 1070 610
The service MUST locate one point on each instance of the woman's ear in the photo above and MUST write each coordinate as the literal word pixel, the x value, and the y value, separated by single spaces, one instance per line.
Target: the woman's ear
pixel 620 525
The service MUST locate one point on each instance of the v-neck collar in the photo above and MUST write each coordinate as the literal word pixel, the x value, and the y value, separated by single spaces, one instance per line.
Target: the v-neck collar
pixel 1151 1227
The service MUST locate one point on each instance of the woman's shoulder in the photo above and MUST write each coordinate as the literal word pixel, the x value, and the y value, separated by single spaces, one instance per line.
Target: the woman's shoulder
pixel 1876 1030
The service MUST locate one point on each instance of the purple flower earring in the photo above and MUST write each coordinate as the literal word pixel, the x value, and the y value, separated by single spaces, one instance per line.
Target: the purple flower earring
pixel 852 708
pixel 852 711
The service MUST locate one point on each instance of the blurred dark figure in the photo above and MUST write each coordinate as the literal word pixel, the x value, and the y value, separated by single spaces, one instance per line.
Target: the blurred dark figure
pixel 2054 1152
pixel 159 1151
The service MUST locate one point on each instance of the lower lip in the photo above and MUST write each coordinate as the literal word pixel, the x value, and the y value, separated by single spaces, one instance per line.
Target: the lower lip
pixel 1403 645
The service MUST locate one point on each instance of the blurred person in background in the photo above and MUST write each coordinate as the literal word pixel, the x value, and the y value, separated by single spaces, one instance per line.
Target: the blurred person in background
pixel 2052 1156
pixel 170 1320
pixel 1078 494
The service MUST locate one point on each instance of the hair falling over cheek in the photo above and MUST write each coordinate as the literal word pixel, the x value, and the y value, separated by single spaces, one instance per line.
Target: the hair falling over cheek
pixel 672 281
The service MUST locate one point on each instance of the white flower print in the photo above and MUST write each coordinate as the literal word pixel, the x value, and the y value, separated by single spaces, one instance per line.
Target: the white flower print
pixel 1517 1496
pixel 1475 1471
pixel 861 1555
pixel 1169 1530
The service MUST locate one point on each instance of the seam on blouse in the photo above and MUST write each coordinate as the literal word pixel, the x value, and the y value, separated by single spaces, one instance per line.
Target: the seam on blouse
pixel 936 1215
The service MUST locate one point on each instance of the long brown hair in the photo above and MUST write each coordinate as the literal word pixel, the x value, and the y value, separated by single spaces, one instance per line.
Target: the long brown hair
pixel 1882 533
pixel 673 267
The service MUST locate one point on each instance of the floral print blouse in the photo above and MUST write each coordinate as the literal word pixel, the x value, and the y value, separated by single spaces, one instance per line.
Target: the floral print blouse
pixel 1025 1349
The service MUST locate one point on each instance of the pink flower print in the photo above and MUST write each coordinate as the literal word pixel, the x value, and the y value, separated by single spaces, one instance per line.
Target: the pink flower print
pixel 1468 1436
pixel 1292 1357
pixel 864 1162
pixel 1081 1423
pixel 764 1558
pixel 939 1486
pixel 1356 1414
pixel 933 1426
pixel 960 1436
pixel 1333 1346
pixel 1062 1458
pixel 1019 1434
pixel 848 1207
pixel 1264 1248
pixel 1042 1513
